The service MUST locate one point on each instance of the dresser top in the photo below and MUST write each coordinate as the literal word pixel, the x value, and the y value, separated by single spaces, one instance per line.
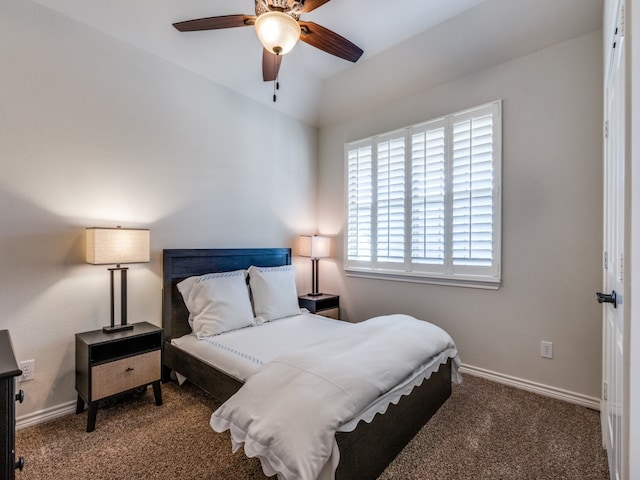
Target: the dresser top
pixel 8 364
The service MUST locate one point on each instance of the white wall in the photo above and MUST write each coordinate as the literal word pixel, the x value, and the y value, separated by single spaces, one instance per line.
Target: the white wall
pixel 552 195
pixel 96 133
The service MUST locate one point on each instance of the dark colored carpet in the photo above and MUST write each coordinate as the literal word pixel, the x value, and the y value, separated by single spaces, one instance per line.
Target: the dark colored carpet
pixel 484 431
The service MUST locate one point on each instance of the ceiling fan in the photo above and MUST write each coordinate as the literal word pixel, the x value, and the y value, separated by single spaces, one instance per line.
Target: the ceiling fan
pixel 278 25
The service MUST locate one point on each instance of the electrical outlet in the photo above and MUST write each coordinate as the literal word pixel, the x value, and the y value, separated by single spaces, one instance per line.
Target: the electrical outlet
pixel 28 368
pixel 546 349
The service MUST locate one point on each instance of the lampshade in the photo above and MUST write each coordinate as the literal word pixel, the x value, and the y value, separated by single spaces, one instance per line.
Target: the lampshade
pixel 277 31
pixel 106 246
pixel 315 246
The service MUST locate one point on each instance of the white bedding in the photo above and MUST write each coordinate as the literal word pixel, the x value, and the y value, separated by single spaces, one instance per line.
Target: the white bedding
pixel 309 394
pixel 240 353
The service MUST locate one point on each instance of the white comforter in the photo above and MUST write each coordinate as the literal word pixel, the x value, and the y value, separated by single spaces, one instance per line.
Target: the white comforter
pixel 288 411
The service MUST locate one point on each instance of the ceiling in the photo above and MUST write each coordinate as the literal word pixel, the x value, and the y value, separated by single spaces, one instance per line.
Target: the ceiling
pixel 232 57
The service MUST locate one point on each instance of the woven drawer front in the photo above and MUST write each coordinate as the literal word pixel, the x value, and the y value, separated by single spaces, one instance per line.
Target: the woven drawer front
pixel 115 377
pixel 331 313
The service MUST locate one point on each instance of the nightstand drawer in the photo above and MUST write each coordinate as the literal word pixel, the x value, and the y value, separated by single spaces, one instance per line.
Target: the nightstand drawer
pixel 116 377
pixel 330 313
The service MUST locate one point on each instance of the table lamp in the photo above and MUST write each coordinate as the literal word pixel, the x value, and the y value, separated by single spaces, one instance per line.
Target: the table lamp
pixel 108 246
pixel 315 247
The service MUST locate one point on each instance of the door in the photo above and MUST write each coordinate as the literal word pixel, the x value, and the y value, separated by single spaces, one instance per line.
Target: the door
pixel 614 244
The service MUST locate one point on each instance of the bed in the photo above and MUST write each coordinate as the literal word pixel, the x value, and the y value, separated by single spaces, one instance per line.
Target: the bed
pixel 365 451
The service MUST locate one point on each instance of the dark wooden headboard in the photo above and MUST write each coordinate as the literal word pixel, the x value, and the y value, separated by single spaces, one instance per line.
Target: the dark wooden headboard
pixel 179 264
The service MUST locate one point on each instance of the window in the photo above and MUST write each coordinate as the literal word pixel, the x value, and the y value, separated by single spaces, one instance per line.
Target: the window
pixel 423 203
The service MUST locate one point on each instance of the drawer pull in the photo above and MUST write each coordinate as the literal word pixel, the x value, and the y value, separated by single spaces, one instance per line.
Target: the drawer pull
pixel 19 464
pixel 20 396
pixel 129 369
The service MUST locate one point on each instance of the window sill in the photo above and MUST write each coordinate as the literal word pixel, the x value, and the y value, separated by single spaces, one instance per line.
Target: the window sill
pixel 466 281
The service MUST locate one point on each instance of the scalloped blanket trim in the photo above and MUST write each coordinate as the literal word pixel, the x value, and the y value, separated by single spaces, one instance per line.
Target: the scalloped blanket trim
pixel 420 375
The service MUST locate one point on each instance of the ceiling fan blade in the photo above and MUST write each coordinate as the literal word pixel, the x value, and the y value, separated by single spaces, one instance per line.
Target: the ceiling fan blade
pixel 312 4
pixel 214 23
pixel 270 65
pixel 328 41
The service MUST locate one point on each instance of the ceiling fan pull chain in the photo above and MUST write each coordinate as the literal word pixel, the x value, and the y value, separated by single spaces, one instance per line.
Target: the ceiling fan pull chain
pixel 275 80
pixel 276 84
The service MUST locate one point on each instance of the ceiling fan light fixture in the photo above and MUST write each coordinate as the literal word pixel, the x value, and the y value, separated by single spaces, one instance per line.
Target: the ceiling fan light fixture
pixel 277 31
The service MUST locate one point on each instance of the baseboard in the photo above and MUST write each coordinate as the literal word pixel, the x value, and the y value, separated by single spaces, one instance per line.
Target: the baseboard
pixel 45 415
pixel 553 392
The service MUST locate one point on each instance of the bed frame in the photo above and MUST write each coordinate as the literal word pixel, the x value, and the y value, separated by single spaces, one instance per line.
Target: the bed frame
pixel 364 452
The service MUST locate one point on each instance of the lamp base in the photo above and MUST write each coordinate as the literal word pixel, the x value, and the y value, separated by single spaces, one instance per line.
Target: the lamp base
pixel 117 328
pixel 316 294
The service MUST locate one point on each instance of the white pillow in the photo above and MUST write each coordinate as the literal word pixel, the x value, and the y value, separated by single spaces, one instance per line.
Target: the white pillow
pixel 274 294
pixel 217 302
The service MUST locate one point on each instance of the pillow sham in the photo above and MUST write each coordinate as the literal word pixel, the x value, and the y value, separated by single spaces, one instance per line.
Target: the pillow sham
pixel 217 302
pixel 274 294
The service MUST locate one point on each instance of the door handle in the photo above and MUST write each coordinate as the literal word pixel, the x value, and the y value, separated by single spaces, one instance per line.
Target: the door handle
pixel 604 298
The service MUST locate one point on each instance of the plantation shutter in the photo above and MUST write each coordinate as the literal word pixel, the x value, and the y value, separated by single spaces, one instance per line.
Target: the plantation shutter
pixel 390 193
pixel 472 188
pixel 423 203
pixel 359 201
pixel 428 194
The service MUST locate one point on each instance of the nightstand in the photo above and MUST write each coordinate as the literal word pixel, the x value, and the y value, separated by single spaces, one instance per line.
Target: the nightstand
pixel 108 364
pixel 326 304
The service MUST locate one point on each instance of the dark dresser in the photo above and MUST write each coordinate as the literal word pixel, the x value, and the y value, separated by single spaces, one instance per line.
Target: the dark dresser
pixel 8 372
